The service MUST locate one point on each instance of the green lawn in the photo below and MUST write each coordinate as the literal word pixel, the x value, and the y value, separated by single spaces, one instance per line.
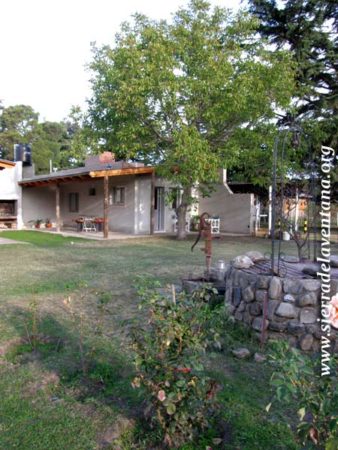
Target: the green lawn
pixel 46 400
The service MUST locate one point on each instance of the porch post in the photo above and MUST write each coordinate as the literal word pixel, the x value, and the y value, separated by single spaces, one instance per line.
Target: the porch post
pixel 57 206
pixel 152 203
pixel 105 205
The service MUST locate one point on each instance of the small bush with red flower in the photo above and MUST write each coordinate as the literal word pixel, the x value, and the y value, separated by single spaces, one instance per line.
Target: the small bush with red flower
pixel 169 350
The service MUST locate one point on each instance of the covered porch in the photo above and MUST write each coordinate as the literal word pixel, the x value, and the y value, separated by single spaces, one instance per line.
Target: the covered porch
pixel 100 203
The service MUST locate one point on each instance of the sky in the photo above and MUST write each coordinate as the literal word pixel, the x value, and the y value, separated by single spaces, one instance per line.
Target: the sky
pixel 45 47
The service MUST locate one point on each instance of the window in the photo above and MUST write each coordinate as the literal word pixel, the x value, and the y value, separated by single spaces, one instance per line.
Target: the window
pixel 118 195
pixel 73 202
pixel 92 192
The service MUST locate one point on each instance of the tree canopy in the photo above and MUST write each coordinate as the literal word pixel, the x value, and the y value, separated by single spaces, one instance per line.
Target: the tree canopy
pixel 178 94
pixel 59 142
pixel 308 28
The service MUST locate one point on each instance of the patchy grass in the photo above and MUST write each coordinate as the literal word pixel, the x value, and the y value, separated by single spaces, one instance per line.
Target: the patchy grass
pixel 81 405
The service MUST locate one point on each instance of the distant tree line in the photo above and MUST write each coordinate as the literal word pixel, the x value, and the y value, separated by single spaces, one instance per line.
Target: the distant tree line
pixel 59 142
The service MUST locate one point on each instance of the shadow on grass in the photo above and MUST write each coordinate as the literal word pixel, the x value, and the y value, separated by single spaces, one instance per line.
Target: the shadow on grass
pixel 93 367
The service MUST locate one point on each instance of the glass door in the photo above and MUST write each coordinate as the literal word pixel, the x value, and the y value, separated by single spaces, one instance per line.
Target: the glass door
pixel 159 209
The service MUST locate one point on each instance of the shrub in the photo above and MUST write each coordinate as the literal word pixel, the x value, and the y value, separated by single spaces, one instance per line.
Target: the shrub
pixel 168 362
pixel 296 377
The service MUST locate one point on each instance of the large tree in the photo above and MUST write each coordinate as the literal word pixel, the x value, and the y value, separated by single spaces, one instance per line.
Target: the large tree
pixel 178 94
pixel 308 28
pixel 17 125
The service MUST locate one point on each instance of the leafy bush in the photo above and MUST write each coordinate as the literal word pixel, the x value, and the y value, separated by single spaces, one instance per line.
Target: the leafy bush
pixel 297 377
pixel 168 362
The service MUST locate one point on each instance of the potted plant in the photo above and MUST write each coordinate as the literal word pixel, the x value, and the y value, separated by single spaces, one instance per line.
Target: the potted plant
pixel 38 223
pixel 48 223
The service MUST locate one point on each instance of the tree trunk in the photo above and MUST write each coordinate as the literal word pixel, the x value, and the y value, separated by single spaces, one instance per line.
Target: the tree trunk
pixel 182 214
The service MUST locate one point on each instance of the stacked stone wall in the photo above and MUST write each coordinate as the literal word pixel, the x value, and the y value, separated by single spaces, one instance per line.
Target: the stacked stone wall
pixel 292 306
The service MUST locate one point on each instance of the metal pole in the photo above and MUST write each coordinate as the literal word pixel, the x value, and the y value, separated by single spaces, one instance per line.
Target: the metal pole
pixel 273 204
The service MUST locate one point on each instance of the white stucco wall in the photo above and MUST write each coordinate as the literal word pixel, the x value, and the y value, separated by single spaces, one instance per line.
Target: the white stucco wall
pixel 142 205
pixel 234 210
pixel 11 190
pixel 38 203
pixel 122 217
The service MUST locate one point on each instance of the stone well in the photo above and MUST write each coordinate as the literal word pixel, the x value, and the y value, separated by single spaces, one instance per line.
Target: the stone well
pixel 292 303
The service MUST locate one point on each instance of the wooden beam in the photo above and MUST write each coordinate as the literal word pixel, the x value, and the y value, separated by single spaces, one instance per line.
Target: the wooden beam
pixel 7 164
pixel 152 204
pixel 57 207
pixel 105 206
pixel 119 172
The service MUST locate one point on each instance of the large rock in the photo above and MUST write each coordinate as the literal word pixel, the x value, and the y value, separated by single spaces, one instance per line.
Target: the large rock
pixel 239 316
pixel 311 269
pixel 228 295
pixel 296 328
pixel 255 309
pixel 313 328
pixel 275 288
pixel 291 286
pixel 242 262
pixel 248 294
pixel 257 324
pixel 308 315
pixel 272 306
pixel 255 256
pixel 311 285
pixel 278 326
pixel 289 298
pixel 263 282
pixel 309 299
pixel 306 342
pixel 247 318
pixel 241 353
pixel 286 310
pixel 261 295
pixel 237 296
pixel 241 307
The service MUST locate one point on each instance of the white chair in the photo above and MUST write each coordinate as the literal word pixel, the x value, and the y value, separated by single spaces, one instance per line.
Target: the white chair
pixel 88 224
pixel 215 225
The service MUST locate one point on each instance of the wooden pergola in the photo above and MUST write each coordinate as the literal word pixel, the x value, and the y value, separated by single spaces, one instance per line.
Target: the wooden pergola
pixel 5 164
pixel 89 175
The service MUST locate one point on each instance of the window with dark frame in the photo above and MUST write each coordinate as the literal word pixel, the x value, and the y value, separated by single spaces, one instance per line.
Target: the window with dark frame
pixel 92 192
pixel 73 198
pixel 118 195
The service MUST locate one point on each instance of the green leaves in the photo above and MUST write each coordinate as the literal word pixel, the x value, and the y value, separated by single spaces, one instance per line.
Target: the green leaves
pixel 308 29
pixel 168 355
pixel 171 409
pixel 175 93
pixel 297 379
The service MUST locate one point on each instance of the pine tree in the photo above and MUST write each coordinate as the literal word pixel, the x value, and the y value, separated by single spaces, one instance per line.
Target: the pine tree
pixel 308 28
